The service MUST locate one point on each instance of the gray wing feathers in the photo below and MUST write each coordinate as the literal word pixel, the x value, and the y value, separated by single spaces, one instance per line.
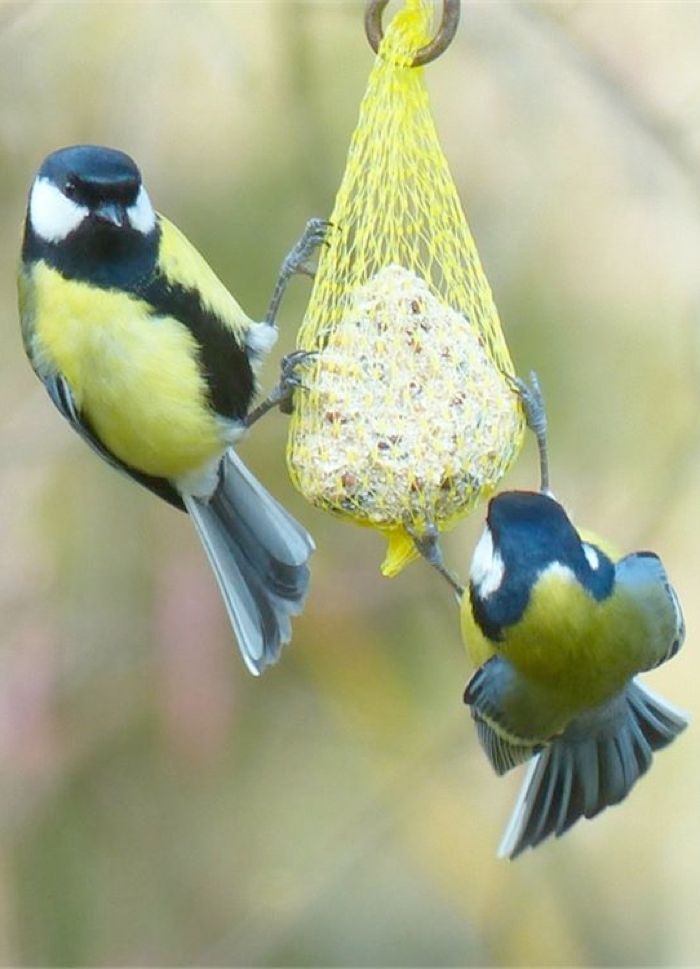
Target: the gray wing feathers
pixel 592 765
pixel 504 709
pixel 259 554
pixel 504 753
pixel 643 576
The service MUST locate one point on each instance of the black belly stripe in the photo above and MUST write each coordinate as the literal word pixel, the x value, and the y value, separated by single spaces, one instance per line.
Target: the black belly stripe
pixel 224 361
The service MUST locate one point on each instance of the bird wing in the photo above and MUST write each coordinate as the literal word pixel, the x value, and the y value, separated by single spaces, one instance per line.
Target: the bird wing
pixel 62 396
pixel 183 266
pixel 508 712
pixel 642 578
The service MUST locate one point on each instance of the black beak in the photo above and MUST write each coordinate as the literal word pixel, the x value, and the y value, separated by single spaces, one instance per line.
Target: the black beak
pixel 111 213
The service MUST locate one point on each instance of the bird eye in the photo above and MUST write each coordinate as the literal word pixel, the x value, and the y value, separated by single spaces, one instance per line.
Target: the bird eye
pixel 70 189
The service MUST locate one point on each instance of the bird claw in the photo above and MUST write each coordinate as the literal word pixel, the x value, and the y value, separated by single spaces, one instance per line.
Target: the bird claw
pixel 291 363
pixel 282 395
pixel 428 545
pixel 426 541
pixel 299 259
pixel 532 399
pixel 290 380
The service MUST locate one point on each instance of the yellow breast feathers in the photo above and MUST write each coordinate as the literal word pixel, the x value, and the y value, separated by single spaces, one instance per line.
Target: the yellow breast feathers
pixel 568 641
pixel 134 376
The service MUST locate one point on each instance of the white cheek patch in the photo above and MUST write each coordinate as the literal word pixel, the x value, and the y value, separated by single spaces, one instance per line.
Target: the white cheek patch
pixel 591 556
pixel 487 568
pixel 52 215
pixel 141 215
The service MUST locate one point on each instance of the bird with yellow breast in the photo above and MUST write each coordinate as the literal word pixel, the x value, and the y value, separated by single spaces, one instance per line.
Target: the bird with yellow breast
pixel 559 626
pixel 153 362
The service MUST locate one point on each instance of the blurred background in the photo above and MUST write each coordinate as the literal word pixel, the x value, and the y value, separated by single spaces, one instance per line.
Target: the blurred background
pixel 159 806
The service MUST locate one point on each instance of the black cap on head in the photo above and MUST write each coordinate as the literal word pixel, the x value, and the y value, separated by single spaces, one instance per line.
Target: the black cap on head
pixel 90 173
pixel 527 510
pixel 532 525
pixel 530 532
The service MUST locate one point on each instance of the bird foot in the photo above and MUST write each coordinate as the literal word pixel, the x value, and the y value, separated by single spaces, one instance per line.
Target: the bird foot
pixel 298 261
pixel 290 380
pixel 428 545
pixel 532 400
pixel 283 393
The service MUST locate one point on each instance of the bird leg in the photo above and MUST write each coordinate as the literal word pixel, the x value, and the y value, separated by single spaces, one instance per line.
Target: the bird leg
pixel 532 399
pixel 297 261
pixel 428 544
pixel 281 395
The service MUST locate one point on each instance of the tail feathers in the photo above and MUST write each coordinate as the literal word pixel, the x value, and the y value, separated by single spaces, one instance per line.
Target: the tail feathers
pixel 276 543
pixel 259 554
pixel 592 765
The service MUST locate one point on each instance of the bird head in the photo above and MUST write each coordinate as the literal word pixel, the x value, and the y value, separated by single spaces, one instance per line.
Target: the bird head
pixel 88 190
pixel 528 535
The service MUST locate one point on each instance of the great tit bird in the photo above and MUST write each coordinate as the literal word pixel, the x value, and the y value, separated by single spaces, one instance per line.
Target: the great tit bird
pixel 559 627
pixel 153 362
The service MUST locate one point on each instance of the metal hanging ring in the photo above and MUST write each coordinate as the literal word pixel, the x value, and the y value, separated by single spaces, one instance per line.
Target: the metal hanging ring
pixel 451 10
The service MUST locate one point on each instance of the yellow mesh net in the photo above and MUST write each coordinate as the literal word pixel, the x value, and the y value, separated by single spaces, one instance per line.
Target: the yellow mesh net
pixel 407 418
